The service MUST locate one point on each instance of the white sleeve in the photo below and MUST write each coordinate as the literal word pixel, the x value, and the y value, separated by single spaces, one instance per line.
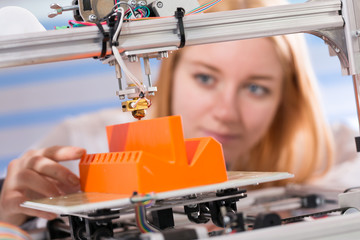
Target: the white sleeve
pixel 346 170
pixel 59 135
pixel 86 131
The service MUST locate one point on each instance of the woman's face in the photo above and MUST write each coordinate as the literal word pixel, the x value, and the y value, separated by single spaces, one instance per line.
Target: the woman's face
pixel 230 91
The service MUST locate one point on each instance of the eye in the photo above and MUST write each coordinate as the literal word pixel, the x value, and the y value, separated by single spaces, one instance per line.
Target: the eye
pixel 204 79
pixel 257 90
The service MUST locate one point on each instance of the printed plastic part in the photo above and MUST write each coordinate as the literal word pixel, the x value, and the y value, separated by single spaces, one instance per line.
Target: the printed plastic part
pixel 152 156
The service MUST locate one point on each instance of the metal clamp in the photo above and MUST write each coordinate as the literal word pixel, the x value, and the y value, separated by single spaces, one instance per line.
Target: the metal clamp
pixel 59 9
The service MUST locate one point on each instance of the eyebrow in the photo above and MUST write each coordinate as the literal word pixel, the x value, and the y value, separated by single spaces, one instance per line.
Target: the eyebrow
pixel 261 77
pixel 213 68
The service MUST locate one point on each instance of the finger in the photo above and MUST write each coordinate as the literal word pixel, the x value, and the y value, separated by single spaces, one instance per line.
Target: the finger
pixel 66 189
pixel 16 213
pixel 31 180
pixel 62 153
pixel 32 195
pixel 54 170
pixel 34 212
pixel 38 213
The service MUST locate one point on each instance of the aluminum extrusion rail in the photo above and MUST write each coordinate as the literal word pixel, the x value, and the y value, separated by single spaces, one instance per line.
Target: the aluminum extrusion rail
pixel 76 43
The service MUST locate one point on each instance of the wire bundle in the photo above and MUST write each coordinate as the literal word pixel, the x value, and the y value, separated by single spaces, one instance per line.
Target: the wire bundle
pixel 74 23
pixel 204 7
pixel 118 57
pixel 141 12
pixel 141 221
pixel 8 231
pixel 137 13
pixel 141 203
pixel 119 11
pixel 116 8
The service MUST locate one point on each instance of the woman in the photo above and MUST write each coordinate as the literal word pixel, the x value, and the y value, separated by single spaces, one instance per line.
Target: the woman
pixel 257 97
pixel 272 107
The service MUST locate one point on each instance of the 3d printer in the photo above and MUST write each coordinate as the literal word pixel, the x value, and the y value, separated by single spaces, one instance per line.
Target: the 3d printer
pixel 124 37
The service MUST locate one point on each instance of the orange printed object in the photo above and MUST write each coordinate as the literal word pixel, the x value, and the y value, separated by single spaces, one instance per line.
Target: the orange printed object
pixel 152 156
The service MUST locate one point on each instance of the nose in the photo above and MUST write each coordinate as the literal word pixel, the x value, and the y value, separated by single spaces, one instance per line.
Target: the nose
pixel 227 106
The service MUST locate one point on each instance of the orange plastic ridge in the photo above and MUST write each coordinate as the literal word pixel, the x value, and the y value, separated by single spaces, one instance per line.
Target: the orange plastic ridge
pixel 152 156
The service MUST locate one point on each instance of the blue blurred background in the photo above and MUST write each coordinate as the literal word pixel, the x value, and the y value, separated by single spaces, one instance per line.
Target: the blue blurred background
pixel 35 98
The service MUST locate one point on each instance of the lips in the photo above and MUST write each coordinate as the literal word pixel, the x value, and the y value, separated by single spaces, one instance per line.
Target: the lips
pixel 224 138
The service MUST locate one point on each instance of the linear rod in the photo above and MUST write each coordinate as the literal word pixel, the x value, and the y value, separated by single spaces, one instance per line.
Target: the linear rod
pixel 85 42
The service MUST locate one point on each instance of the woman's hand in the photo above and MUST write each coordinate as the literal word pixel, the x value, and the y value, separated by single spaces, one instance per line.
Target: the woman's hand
pixel 37 174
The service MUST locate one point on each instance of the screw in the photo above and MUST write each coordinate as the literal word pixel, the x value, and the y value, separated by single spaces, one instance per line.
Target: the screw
pixel 121 97
pixel 142 3
pixel 357 33
pixel 92 18
pixel 132 2
pixel 192 196
pixel 112 63
pixel 159 4
pixel 133 58
pixel 163 54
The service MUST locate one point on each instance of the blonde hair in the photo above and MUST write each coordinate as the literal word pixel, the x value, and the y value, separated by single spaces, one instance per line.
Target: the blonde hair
pixel 298 140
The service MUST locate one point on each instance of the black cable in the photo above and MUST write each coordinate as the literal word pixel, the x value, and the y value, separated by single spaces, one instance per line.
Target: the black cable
pixel 106 38
pixel 179 15
pixel 107 16
pixel 349 189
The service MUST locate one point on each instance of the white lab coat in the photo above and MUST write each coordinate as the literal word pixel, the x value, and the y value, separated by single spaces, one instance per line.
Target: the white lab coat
pixel 345 172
